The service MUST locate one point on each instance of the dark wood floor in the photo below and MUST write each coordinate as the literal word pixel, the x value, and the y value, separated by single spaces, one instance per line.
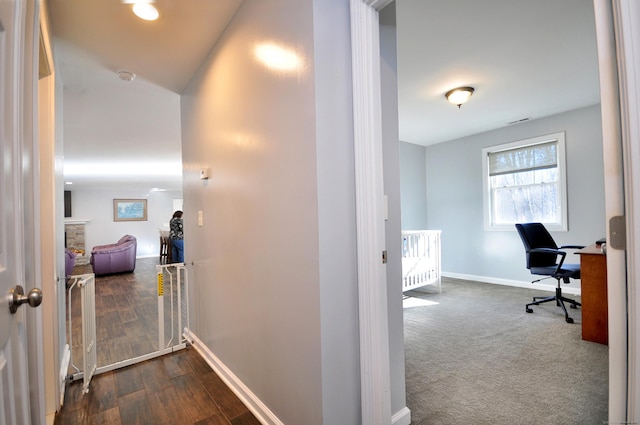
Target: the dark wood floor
pixel 179 388
pixel 175 389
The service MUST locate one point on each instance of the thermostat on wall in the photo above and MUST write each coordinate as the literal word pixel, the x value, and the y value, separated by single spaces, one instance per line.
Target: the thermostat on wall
pixel 204 173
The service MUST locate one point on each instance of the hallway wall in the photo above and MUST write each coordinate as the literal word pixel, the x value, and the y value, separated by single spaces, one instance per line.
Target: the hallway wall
pixel 274 261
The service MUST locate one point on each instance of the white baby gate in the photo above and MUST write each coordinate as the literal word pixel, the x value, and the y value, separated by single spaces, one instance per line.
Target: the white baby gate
pixel 420 259
pixel 172 281
pixel 87 285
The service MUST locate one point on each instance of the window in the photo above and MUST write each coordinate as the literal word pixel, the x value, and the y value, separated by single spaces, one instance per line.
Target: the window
pixel 525 181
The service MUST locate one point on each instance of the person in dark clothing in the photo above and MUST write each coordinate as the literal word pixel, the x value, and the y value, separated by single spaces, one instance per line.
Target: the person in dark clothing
pixel 176 236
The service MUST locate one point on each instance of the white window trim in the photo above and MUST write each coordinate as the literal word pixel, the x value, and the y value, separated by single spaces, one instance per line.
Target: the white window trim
pixel 562 166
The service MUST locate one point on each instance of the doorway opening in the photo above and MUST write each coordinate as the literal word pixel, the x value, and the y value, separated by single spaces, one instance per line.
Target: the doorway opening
pixel 449 208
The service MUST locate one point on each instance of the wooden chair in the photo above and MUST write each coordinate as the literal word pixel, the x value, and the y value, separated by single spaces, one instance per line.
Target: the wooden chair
pixel 165 250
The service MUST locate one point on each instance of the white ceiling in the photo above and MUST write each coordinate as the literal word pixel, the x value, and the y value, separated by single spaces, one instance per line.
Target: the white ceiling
pixel 165 52
pixel 525 58
pixel 127 134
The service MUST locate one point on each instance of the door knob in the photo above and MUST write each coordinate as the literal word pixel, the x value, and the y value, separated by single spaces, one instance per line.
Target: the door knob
pixel 17 298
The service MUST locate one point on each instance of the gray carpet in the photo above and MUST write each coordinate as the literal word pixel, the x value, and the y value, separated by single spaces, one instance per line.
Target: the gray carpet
pixel 476 357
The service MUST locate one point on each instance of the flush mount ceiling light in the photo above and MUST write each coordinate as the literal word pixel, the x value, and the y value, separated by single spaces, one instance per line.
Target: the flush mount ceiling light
pixel 459 95
pixel 125 75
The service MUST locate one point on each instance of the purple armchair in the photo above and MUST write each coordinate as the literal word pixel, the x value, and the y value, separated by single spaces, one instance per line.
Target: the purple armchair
pixel 69 262
pixel 115 258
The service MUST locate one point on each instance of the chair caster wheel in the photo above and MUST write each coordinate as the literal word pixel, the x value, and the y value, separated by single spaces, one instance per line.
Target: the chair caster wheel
pixel 569 320
pixel 529 310
pixel 573 306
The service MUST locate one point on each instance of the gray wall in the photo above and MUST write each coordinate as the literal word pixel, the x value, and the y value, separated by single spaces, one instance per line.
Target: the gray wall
pixel 413 186
pixel 340 355
pixel 274 264
pixel 391 171
pixel 455 204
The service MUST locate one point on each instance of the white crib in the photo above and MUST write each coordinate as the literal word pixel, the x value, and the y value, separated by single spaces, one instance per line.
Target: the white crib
pixel 420 259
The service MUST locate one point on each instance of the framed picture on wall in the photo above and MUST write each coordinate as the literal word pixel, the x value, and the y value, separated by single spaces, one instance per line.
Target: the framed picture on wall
pixel 129 210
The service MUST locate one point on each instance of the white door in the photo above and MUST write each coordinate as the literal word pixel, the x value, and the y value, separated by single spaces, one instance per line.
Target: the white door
pixel 624 306
pixel 617 31
pixel 14 382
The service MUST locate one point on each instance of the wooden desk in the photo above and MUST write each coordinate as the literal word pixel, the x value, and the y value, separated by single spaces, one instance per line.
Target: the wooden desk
pixel 593 275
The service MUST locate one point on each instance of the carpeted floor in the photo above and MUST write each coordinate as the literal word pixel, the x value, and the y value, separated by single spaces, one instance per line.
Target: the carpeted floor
pixel 473 356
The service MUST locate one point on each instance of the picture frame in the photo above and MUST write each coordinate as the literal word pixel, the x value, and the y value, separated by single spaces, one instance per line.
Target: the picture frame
pixel 129 210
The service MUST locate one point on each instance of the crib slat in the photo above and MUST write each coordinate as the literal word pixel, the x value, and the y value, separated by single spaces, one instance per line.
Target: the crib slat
pixel 421 259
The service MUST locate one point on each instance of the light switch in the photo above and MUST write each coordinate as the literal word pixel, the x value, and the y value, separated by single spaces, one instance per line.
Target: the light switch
pixel 200 219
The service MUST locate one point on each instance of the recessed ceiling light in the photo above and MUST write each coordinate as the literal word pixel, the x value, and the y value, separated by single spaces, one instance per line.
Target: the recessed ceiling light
pixel 68 182
pixel 125 75
pixel 146 11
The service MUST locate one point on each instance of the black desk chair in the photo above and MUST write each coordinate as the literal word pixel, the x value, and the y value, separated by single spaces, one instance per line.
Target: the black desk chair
pixel 542 259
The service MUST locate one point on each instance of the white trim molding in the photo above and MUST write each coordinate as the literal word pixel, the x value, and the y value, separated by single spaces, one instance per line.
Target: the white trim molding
pixel 64 367
pixel 626 22
pixel 403 417
pixel 76 221
pixel 248 398
pixel 377 5
pixel 373 309
pixel 612 152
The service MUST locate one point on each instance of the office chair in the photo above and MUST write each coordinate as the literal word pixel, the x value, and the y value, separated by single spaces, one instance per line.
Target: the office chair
pixel 542 259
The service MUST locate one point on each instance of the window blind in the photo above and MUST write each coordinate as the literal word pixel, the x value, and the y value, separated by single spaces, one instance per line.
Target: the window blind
pixel 526 158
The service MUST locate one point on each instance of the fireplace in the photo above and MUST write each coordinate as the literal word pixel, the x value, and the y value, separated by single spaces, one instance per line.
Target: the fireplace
pixel 74 238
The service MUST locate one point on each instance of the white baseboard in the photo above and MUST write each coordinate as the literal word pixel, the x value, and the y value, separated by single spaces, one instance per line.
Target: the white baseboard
pixel 62 378
pixel 402 417
pixel 253 403
pixel 520 284
pixel 62 383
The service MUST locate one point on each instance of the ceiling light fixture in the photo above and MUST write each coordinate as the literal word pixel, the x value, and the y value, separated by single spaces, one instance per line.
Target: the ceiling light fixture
pixel 459 95
pixel 146 11
pixel 126 75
